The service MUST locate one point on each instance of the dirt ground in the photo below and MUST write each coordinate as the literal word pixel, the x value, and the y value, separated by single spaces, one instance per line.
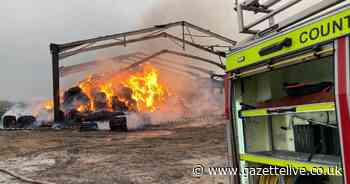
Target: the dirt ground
pixel 164 153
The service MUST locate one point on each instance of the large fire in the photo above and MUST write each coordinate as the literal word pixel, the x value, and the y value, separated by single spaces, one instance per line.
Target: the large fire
pixel 146 90
pixel 140 91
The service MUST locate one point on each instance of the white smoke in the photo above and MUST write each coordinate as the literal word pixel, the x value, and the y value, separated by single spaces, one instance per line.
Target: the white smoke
pixel 30 108
pixel 137 121
pixel 192 98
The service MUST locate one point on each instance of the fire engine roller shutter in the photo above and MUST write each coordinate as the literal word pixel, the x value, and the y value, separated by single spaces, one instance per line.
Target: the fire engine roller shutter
pixel 342 86
pixel 234 150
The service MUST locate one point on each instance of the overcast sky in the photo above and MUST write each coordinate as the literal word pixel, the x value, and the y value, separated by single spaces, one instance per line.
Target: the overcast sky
pixel 28 26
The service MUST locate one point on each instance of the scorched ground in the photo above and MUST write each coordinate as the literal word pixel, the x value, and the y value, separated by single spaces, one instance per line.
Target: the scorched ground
pixel 163 153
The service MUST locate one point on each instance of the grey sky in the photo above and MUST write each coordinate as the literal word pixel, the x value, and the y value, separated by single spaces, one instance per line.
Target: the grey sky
pixel 28 26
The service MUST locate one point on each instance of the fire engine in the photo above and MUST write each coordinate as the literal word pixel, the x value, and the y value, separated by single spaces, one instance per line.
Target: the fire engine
pixel 288 94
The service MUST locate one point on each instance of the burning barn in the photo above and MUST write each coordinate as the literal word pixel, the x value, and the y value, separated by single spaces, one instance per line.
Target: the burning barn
pixel 136 88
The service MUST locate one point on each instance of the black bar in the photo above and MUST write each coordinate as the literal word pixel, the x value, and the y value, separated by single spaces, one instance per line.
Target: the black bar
pixel 275 47
pixel 280 111
pixel 56 81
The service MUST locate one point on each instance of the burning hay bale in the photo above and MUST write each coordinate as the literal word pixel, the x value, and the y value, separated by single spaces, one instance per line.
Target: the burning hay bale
pixel 100 100
pixel 124 100
pixel 119 105
pixel 75 99
pixel 113 97
pixel 106 97
pixel 134 91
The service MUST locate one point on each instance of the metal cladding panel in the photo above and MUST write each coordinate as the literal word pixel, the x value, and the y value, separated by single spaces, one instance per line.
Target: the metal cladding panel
pixel 322 30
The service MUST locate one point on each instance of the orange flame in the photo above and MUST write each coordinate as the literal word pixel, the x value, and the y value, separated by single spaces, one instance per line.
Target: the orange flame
pixel 147 90
pixel 48 104
pixel 86 86
pixel 108 90
pixel 148 93
pixel 81 108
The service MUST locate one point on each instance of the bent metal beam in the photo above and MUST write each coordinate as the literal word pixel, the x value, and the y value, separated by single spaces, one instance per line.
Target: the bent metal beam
pixel 165 51
pixel 61 51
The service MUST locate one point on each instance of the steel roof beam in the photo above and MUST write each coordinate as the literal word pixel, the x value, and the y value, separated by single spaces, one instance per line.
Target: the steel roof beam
pixel 70 45
pixel 122 36
pixel 120 43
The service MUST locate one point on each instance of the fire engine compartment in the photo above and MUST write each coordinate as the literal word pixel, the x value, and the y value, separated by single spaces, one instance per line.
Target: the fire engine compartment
pixel 278 129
